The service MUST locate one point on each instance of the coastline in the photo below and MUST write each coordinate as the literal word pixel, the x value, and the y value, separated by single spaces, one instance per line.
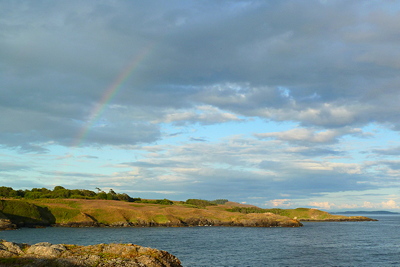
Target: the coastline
pixel 110 213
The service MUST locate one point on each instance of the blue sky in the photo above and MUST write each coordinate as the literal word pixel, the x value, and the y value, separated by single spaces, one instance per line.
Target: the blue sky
pixel 274 103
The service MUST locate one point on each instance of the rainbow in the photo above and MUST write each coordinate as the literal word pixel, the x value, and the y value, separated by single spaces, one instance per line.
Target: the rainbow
pixel 109 94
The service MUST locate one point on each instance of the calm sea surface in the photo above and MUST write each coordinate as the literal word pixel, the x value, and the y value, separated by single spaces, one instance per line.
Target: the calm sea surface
pixel 315 244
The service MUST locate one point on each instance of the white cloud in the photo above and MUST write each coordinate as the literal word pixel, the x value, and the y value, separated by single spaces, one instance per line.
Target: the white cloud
pixel 390 204
pixel 280 203
pixel 310 135
pixel 201 114
pixel 322 205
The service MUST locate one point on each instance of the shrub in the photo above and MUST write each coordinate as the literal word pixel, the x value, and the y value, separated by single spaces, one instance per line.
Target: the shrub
pixel 7 192
pixel 199 203
pixel 219 201
pixel 164 201
pixel 247 210
pixel 157 201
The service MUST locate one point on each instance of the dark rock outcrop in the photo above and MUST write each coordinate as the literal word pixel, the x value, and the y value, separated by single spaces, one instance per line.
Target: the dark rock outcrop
pixel 101 255
pixel 249 221
pixel 6 223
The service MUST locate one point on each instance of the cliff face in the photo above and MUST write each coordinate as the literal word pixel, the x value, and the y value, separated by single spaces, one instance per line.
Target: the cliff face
pixel 104 255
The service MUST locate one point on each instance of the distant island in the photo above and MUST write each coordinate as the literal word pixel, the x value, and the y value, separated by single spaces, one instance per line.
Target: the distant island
pixel 382 212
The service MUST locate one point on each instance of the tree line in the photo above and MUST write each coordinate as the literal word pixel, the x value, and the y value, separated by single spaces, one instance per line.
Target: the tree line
pixel 61 192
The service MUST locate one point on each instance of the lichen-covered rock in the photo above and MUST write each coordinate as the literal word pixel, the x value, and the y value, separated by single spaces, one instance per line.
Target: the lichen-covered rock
pixel 101 255
pixel 46 249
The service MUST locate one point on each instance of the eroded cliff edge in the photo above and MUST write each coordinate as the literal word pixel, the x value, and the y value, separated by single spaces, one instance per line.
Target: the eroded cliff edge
pixel 105 255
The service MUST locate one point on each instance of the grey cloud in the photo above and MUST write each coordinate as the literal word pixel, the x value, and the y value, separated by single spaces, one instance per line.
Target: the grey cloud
pixel 74 174
pixel 316 152
pixel 88 157
pixel 159 164
pixel 116 134
pixel 198 139
pixel 390 164
pixel 394 151
pixel 329 65
pixel 12 167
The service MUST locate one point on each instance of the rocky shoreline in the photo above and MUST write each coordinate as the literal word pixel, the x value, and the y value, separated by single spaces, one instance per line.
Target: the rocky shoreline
pixel 102 255
pixel 6 224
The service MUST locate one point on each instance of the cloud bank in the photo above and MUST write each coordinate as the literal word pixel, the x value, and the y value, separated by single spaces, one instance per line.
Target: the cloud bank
pixel 249 99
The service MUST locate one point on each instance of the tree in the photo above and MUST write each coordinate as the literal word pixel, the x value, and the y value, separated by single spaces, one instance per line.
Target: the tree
pixel 7 192
pixel 102 195
pixel 58 187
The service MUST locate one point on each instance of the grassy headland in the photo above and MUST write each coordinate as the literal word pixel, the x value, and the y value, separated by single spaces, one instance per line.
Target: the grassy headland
pixel 94 212
pixel 80 207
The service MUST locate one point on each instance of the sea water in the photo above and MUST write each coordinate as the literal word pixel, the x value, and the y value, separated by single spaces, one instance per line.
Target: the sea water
pixel 315 244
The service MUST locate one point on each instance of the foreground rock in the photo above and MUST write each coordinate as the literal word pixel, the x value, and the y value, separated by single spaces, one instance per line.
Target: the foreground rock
pixel 101 255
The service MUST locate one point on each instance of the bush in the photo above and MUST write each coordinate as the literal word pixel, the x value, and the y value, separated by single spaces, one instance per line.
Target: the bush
pixel 219 201
pixel 199 203
pixel 33 195
pixel 102 195
pixel 7 192
pixel 157 201
pixel 77 197
pixel 164 201
pixel 247 210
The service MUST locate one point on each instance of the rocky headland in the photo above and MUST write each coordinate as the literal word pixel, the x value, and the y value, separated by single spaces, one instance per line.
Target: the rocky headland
pixel 108 213
pixel 16 213
pixel 102 255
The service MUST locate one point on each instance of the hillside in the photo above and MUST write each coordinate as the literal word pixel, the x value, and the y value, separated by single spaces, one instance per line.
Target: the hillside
pixel 111 213
pixel 83 212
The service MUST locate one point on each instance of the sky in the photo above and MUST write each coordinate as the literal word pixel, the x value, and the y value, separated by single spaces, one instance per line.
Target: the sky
pixel 279 104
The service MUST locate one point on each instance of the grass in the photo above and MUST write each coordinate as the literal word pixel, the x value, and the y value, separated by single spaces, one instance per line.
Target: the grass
pixel 64 215
pixel 24 212
pixel 161 218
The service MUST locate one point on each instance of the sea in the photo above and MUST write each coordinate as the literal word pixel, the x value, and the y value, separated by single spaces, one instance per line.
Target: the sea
pixel 375 243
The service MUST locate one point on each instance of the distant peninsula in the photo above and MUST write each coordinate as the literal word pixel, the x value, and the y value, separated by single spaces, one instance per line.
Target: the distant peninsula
pixel 381 212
